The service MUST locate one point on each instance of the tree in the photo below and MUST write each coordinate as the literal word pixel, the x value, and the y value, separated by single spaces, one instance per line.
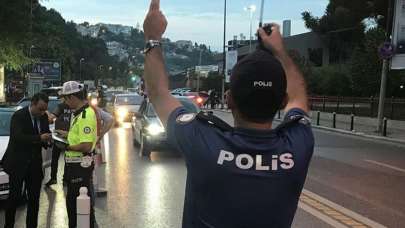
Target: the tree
pixel 14 18
pixel 366 64
pixel 342 24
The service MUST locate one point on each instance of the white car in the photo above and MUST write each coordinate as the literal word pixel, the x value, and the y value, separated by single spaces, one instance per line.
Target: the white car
pixel 5 118
pixel 125 106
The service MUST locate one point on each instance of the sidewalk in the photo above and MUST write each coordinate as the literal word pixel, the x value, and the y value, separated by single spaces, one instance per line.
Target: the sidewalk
pixel 363 126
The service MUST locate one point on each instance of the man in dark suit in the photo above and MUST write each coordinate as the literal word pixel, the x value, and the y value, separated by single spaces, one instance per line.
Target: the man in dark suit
pixel 29 132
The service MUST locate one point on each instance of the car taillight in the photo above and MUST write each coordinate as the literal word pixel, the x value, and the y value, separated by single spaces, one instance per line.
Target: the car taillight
pixel 199 100
pixel 191 97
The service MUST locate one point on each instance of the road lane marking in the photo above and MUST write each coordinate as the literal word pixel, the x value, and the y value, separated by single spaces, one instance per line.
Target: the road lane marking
pixel 333 214
pixel 321 216
pixel 385 165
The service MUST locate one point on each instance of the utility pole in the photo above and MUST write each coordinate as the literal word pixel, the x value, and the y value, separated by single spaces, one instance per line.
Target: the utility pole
pixel 198 75
pixel 385 70
pixel 224 59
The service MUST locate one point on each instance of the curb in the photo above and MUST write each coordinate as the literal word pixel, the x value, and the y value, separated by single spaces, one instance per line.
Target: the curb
pixel 346 132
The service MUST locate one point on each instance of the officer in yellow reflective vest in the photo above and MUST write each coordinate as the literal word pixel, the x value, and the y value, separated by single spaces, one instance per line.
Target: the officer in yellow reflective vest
pixel 82 139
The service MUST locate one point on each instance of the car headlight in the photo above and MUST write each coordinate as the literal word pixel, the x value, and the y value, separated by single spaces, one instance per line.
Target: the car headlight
pixel 155 129
pixel 122 112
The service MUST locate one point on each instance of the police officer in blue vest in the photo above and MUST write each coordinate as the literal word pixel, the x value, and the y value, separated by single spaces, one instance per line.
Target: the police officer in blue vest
pixel 250 175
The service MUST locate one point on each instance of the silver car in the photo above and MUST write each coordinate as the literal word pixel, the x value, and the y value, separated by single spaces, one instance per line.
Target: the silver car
pixel 148 130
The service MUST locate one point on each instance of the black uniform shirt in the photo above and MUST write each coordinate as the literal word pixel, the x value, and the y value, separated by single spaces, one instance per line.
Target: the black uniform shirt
pixel 241 178
pixel 63 116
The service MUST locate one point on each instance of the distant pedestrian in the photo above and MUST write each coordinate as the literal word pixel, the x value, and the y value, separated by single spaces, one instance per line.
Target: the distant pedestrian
pixel 61 117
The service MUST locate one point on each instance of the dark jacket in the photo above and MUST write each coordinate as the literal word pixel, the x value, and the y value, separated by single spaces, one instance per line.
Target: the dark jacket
pixel 25 147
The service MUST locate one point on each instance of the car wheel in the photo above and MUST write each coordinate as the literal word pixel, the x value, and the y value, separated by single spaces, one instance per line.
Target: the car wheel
pixel 144 149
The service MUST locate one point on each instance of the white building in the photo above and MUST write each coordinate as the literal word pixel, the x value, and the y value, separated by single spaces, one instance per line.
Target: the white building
pixel 184 44
pixel 204 71
pixel 117 49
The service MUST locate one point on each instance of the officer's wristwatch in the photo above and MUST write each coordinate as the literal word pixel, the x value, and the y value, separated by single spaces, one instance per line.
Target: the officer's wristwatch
pixel 150 44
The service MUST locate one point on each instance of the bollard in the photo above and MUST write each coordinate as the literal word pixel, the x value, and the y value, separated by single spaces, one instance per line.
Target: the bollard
pixel 83 209
pixel 279 114
pixel 324 104
pixel 98 190
pixel 318 118
pixel 354 106
pixel 334 120
pixel 352 123
pixel 392 108
pixel 385 127
pixel 338 104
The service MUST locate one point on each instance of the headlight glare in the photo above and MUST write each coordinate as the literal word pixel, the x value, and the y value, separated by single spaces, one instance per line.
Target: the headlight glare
pixel 155 129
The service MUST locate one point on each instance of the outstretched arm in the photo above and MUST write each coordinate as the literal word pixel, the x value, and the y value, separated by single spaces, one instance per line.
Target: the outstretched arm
pixel 156 79
pixel 296 86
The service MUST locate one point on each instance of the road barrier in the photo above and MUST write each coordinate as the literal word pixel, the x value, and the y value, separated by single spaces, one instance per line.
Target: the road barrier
pixel 83 209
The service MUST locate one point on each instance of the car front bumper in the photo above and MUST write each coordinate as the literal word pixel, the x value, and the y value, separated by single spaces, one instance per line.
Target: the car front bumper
pixel 158 142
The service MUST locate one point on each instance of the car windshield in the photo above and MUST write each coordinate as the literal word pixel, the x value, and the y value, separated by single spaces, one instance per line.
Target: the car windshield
pixel 128 100
pixel 5 118
pixel 188 105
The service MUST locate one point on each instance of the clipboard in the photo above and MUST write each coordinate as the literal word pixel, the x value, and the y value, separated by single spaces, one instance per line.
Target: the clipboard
pixel 57 138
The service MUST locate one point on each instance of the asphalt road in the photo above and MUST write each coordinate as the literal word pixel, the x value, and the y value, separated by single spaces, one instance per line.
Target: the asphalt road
pixel 351 183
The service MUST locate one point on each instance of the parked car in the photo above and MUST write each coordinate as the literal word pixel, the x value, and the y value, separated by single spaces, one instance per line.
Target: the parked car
pixel 180 91
pixel 52 91
pixel 148 130
pixel 5 119
pixel 125 106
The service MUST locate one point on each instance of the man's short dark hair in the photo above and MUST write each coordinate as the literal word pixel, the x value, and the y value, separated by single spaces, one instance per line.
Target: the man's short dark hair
pixel 258 86
pixel 39 96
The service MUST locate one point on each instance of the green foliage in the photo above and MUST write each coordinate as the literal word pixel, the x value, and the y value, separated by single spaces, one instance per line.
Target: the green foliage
pixel 333 80
pixel 342 24
pixel 366 64
pixel 14 21
pixel 213 81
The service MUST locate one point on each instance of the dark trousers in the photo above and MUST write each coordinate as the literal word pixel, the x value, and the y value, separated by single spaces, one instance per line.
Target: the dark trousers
pixel 78 177
pixel 33 181
pixel 55 162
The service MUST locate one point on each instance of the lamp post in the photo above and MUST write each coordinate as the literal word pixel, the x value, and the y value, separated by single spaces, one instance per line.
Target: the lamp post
pixel 224 58
pixel 81 60
pixel 251 9
pixel 198 75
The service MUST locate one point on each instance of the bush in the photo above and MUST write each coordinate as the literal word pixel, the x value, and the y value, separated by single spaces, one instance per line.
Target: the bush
pixel 332 80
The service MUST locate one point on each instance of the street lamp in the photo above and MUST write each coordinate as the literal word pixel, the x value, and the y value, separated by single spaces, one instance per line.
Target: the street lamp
pixel 81 60
pixel 251 9
pixel 224 58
